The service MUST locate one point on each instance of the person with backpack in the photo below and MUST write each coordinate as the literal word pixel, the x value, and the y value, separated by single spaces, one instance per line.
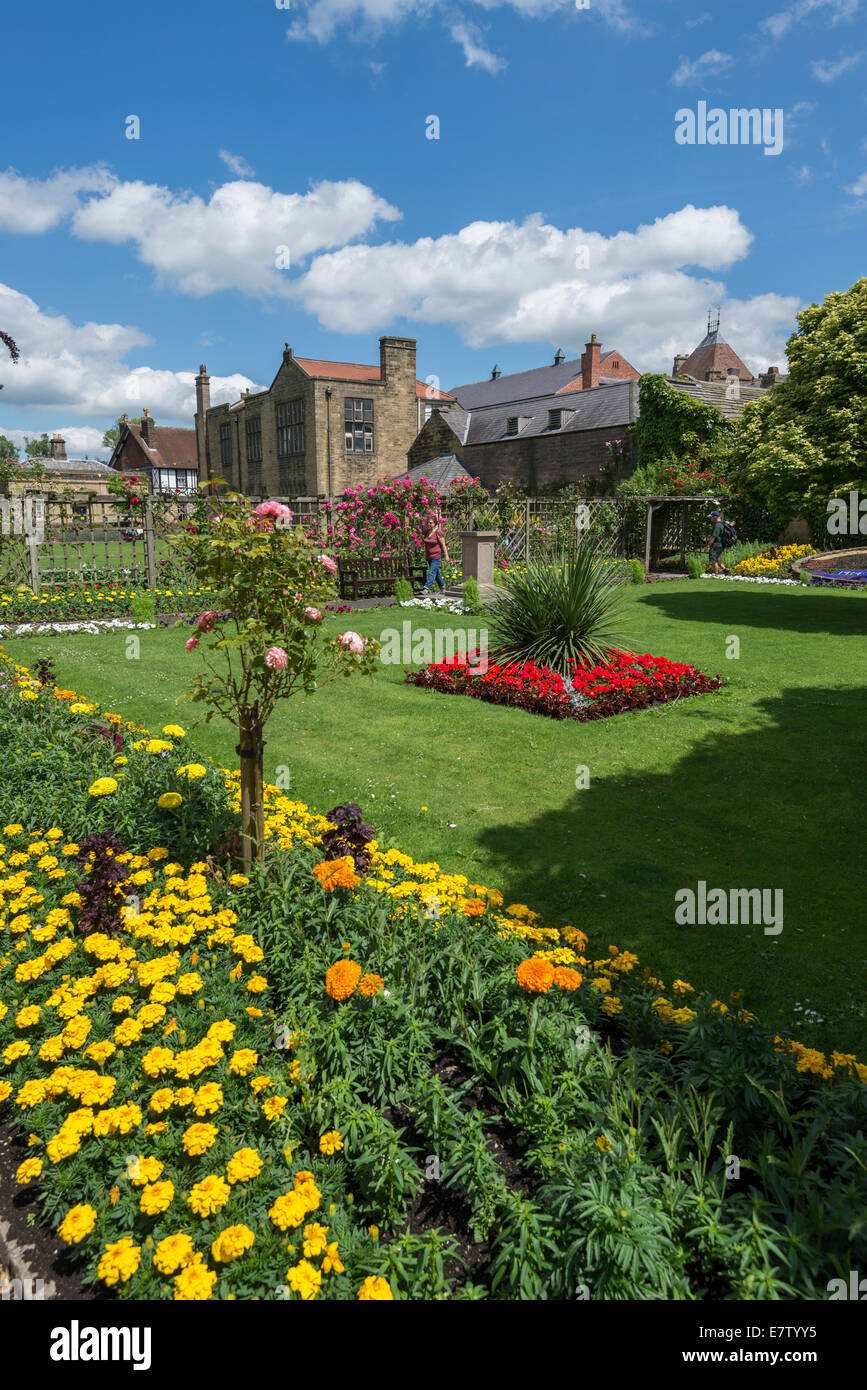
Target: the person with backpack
pixel 722 536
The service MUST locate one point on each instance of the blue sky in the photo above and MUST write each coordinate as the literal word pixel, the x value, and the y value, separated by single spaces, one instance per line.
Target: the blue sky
pixel 125 263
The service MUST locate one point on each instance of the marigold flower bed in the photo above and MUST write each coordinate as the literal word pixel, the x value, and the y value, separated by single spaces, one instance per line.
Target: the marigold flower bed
pixel 215 1093
pixel 625 682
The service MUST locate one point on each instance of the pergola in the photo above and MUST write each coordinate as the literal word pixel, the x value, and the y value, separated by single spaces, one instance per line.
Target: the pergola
pixel 654 503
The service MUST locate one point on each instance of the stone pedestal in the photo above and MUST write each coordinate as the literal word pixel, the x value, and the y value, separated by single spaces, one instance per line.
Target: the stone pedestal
pixel 477 555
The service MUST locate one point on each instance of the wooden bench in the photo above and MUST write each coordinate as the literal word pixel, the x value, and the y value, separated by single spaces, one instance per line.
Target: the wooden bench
pixel 357 572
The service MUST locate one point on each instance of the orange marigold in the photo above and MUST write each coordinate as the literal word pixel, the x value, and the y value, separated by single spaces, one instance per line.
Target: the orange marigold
pixel 370 985
pixel 336 873
pixel 535 975
pixel 567 978
pixel 342 978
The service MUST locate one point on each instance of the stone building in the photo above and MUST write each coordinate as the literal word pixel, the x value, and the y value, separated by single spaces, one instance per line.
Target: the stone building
pixel 84 477
pixel 164 454
pixel 319 427
pixel 539 440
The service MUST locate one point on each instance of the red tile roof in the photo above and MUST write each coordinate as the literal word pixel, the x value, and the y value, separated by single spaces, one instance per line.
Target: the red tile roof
pixel 175 446
pixel 359 371
pixel 714 356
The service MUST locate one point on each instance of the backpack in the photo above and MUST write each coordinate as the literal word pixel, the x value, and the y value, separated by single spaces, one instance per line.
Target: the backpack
pixel 729 536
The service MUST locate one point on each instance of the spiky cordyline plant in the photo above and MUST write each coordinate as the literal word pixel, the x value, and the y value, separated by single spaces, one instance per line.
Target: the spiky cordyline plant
pixel 558 611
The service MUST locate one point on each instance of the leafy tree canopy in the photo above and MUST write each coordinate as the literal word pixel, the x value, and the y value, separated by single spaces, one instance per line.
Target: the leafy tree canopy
pixel 807 441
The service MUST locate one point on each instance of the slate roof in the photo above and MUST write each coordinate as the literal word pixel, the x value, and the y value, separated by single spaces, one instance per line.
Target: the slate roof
pixel 714 393
pixel 74 466
pixel 601 407
pixel 517 386
pixel 445 469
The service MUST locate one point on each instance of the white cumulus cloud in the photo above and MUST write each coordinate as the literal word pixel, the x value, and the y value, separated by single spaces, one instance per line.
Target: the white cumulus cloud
pixel 80 369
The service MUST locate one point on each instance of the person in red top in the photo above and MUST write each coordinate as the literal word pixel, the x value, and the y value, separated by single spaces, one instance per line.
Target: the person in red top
pixel 435 551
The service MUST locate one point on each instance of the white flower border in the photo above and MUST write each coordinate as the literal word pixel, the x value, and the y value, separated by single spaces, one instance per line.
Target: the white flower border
pixel 752 579
pixel 36 629
pixel 443 605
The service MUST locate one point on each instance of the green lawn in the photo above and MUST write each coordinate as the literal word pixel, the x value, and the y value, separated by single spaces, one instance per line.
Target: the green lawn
pixel 757 786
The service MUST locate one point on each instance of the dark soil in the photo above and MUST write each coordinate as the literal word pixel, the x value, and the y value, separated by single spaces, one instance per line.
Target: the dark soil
pixel 47 1257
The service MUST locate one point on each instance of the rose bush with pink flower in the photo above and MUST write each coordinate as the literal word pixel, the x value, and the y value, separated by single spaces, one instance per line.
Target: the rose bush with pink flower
pixel 260 644
pixel 353 641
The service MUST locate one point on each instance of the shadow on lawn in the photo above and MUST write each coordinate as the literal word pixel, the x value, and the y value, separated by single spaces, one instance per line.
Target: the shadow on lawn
pixel 780 806
pixel 798 610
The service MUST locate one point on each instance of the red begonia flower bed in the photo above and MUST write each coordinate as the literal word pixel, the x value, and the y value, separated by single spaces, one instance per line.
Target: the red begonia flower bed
pixel 625 681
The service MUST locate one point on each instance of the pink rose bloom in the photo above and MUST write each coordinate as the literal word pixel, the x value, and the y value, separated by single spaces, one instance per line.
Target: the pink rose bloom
pixel 276 658
pixel 270 508
pixel 329 564
pixel 191 643
pixel 313 614
pixel 352 641
pixel 207 620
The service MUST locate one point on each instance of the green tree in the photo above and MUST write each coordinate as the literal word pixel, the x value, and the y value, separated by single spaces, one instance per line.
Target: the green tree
pixel 112 435
pixel 37 448
pixel 806 442
pixel 8 450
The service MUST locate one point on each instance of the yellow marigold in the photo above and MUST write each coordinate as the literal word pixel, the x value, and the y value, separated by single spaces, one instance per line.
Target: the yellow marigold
pixel 332 1263
pixel 535 975
pixel 157 1197
pixel 611 1005
pixel 375 1290
pixel 231 1243
pixel 304 1279
pixel 603 1143
pixel 193 772
pixel 28 1170
pixel 30 1094
pixel 257 984
pixel 172 1252
pixel 209 1098
pixel 103 786
pixel 370 985
pixel 77 1223
pixel 158 745
pixel 195 1283
pixel 27 1017
pixel 273 1107
pixel 199 1138
pixel 342 978
pixel 174 731
pixel 289 1210
pixel 329 1143
pixel 567 978
pixel 169 801
pixel 143 1170
pixel 119 1262
pixel 209 1195
pixel 243 1165
pixel 243 1061
pixel 315 1240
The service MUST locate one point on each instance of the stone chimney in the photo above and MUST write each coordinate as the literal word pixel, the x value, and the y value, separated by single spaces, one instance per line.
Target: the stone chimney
pixel 559 356
pixel 203 390
pixel 58 447
pixel 714 374
pixel 203 405
pixel 397 359
pixel 590 364
pixel 496 373
pixel 287 353
pixel 678 363
pixel 769 378
pixel 147 429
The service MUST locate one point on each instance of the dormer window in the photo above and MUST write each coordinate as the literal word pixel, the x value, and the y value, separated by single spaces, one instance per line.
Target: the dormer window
pixel 512 424
pixel 555 419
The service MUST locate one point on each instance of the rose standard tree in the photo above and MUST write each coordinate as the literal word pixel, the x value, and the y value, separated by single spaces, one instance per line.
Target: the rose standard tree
pixel 264 640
